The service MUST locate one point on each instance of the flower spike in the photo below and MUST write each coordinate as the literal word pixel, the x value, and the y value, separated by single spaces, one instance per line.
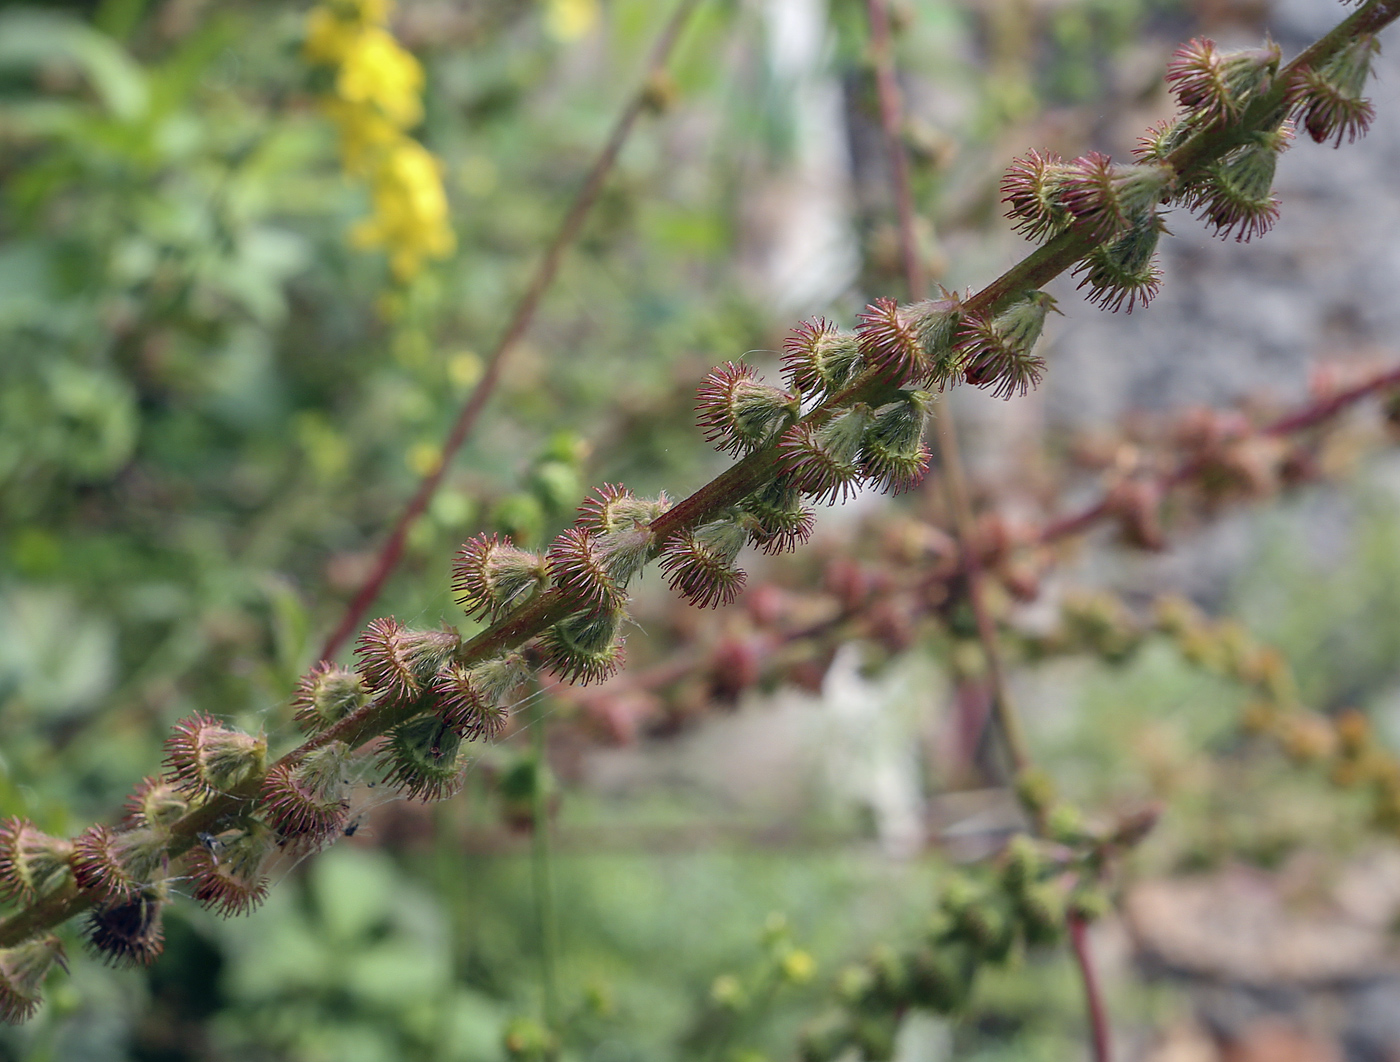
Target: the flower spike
pixel 1031 192
pixel 894 455
pixel 614 508
pixel 776 519
pixel 1236 196
pixel 115 865
pixel 471 700
pixel 824 463
pixel 155 804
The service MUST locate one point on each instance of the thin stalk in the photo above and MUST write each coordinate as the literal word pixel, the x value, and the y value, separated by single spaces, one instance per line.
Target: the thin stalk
pixel 541 876
pixel 955 486
pixel 520 320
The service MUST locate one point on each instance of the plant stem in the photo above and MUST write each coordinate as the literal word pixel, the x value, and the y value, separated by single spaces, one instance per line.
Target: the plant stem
pixel 520 320
pixel 542 882
pixel 955 486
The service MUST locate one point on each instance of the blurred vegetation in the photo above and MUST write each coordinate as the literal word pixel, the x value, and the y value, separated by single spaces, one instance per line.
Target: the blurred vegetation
pixel 212 406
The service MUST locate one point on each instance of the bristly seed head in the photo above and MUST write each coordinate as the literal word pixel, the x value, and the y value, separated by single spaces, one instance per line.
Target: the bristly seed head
pixel 23 969
pixel 1216 87
pixel 824 463
pixel 205 758
pixel 1001 352
pixel 738 413
pixel 1031 191
pixel 699 564
pixel 116 864
pixel 155 804
pixel 614 508
pixel 776 519
pixel 327 694
pixel 129 932
pixel 491 576
pixel 894 457
pixel 473 700
pixel 420 759
pixel 1126 270
pixel 32 864
pixel 227 868
pixel 1236 195
pixel 309 798
pixel 398 662
pixel 579 568
pixel 820 359
pixel 1105 199
pixel 1328 101
pixel 586 646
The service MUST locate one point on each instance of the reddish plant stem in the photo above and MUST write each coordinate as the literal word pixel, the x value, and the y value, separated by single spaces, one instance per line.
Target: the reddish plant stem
pixel 1093 997
pixel 1308 416
pixel 955 485
pixel 390 553
pixel 954 476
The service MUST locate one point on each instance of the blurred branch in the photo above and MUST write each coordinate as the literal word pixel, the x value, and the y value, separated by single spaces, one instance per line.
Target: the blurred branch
pixel 520 321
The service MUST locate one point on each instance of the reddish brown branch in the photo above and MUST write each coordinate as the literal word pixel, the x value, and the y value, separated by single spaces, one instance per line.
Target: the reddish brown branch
pixel 392 550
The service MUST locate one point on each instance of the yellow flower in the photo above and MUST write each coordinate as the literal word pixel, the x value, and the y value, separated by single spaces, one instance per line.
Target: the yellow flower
pixel 568 20
pixel 376 70
pixel 410 217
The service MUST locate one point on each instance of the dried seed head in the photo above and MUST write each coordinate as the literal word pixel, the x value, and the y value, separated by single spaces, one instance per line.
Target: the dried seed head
pixel 310 798
pixel 585 647
pixel 420 759
pixel 491 576
pixel 1328 100
pixel 776 519
pixel 614 508
pixel 116 865
pixel 824 463
pixel 128 932
pixel 894 456
pixel 32 864
pixel 699 564
pixel 738 413
pixel 473 700
pixel 820 359
pixel 227 868
pixel 1001 352
pixel 1216 87
pixel 1126 270
pixel 205 758
pixel 398 662
pixel 327 694
pixel 23 969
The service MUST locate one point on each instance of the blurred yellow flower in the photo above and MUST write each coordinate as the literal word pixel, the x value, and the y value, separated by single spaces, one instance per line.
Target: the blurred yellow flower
pixel 375 70
pixel 378 96
pixel 568 20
